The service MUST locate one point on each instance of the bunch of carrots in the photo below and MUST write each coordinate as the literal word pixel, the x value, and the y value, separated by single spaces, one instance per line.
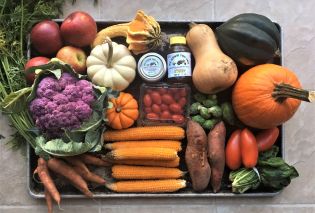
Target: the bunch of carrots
pixel 145 159
pixel 74 169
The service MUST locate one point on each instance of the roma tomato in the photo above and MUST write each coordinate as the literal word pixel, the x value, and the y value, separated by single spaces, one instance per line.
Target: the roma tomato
pixel 166 115
pixel 147 101
pixel 175 108
pixel 156 108
pixel 167 99
pixel 233 156
pixel 164 107
pixel 182 102
pixel 156 98
pixel 152 116
pixel 162 91
pixel 147 109
pixel 249 149
pixel 266 138
pixel 179 119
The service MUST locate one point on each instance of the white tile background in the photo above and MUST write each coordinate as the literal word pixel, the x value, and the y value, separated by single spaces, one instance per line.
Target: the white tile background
pixel 297 21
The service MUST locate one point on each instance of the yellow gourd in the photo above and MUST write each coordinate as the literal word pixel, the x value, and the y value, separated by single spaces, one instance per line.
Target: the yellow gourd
pixel 214 71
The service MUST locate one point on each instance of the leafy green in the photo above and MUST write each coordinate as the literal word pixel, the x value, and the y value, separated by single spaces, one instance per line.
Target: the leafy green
pixel 16 101
pixel 272 172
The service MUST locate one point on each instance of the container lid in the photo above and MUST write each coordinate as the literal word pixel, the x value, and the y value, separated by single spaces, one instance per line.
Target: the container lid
pixel 152 67
pixel 177 40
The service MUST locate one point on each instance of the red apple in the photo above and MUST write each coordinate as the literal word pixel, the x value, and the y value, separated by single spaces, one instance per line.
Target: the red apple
pixel 46 37
pixel 36 61
pixel 74 56
pixel 78 29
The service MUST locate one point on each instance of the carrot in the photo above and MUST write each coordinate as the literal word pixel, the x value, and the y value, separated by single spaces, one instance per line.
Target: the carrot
pixel 89 176
pixel 216 154
pixel 82 170
pixel 62 168
pixel 93 160
pixel 47 181
pixel 48 201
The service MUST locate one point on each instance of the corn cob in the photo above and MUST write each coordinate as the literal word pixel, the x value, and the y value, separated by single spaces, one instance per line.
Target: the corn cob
pixel 151 186
pixel 145 172
pixel 145 133
pixel 162 163
pixel 142 153
pixel 176 145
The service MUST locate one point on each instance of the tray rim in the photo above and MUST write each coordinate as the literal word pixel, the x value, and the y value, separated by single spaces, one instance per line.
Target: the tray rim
pixel 175 195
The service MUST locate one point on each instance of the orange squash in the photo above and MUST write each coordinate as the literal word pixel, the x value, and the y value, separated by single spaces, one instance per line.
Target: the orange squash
pixel 124 112
pixel 268 95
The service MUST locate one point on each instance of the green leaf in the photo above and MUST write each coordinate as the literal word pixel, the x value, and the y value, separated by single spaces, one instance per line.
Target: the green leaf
pixel 95 137
pixel 91 124
pixel 273 152
pixel 59 147
pixel 16 101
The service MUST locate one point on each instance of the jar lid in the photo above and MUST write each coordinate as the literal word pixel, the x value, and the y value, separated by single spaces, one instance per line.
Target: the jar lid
pixel 177 40
pixel 152 67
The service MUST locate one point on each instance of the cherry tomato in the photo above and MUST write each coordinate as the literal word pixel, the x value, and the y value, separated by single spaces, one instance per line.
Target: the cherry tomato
pixel 179 119
pixel 166 115
pixel 156 98
pixel 249 149
pixel 167 99
pixel 233 157
pixel 156 108
pixel 176 96
pixel 149 91
pixel 164 107
pixel 147 109
pixel 147 101
pixel 266 138
pixel 152 116
pixel 182 92
pixel 162 91
pixel 176 108
pixel 182 101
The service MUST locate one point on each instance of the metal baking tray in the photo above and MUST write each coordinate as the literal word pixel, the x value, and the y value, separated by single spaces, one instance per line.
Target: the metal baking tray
pixel 179 27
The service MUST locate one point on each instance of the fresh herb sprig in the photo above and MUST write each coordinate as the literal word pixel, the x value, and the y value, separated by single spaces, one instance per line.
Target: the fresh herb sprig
pixel 16 20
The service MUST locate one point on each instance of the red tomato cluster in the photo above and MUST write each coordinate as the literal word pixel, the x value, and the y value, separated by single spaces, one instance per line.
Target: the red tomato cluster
pixel 243 147
pixel 165 104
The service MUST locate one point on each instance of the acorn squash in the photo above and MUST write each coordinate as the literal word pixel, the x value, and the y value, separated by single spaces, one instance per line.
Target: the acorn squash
pixel 249 39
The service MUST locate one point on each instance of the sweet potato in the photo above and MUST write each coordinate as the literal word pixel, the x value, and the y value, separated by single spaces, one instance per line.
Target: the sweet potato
pixel 196 156
pixel 216 154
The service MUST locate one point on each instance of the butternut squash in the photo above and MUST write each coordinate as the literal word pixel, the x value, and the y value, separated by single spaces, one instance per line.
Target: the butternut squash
pixel 214 71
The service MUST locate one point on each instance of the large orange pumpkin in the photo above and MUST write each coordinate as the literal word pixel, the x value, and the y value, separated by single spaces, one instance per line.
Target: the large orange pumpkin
pixel 124 111
pixel 267 95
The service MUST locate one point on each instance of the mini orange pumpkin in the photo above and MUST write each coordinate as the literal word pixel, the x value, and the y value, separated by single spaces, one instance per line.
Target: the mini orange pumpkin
pixel 124 111
pixel 268 95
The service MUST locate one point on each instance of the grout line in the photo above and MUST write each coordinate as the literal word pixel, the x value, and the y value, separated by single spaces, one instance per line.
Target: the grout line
pixel 213 10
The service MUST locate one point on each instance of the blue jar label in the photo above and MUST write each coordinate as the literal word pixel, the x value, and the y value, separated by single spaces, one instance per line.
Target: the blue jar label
pixel 179 64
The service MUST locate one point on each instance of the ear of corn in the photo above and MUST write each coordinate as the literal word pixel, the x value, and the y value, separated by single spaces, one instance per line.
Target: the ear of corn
pixel 162 163
pixel 142 153
pixel 176 145
pixel 151 186
pixel 145 133
pixel 145 172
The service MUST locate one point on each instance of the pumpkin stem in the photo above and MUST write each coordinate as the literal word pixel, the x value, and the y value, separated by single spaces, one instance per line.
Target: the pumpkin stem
pixel 283 91
pixel 110 52
pixel 191 25
pixel 118 109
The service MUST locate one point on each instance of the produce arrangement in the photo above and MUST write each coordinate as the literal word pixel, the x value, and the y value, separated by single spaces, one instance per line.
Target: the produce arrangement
pixel 124 115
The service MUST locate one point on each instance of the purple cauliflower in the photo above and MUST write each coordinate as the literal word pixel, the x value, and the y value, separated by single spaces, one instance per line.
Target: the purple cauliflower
pixel 61 104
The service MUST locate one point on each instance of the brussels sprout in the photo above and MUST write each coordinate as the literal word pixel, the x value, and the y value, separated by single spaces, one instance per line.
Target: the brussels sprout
pixel 210 102
pixel 212 97
pixel 209 124
pixel 199 97
pixel 228 113
pixel 204 112
pixel 198 119
pixel 215 111
pixel 194 108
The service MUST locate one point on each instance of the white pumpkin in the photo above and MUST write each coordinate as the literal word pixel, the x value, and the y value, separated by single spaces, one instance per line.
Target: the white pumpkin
pixel 111 65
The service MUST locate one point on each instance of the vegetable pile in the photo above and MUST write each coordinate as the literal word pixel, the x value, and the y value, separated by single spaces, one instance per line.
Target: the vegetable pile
pixel 82 105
